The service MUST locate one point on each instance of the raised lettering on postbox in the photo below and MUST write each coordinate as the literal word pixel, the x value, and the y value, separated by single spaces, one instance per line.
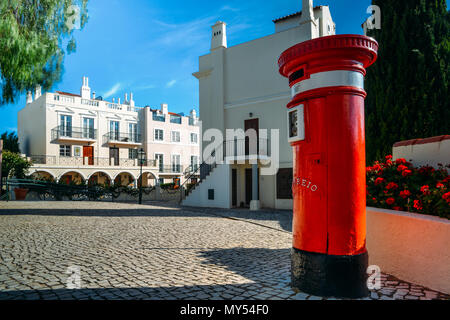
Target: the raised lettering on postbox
pixel 304 183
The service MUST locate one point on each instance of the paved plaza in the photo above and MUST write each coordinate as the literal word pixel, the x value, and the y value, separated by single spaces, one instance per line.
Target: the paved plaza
pixel 153 251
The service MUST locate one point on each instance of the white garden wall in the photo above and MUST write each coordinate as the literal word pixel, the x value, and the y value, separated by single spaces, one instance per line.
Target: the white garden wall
pixel 412 247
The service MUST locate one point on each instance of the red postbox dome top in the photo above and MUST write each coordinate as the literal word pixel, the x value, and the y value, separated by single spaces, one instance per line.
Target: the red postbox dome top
pixel 329 53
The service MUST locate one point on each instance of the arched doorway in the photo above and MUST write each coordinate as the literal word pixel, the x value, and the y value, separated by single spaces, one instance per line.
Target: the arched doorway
pixel 43 175
pixel 125 179
pixel 148 179
pixel 72 177
pixel 99 178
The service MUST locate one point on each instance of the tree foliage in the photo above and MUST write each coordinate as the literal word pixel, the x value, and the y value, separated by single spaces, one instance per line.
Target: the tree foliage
pixel 32 51
pixel 14 165
pixel 408 86
pixel 10 141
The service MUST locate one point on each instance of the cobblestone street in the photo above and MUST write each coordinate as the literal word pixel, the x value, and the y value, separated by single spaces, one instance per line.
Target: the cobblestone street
pixel 127 251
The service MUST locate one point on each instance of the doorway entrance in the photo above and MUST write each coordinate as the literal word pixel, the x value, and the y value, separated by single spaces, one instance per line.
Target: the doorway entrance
pixel 251 124
pixel 88 152
pixel 114 156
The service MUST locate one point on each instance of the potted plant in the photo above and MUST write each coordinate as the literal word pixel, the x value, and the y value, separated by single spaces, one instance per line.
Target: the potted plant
pixel 13 165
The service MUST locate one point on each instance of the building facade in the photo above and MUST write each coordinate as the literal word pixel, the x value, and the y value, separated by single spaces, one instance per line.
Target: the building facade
pixel 241 88
pixel 82 138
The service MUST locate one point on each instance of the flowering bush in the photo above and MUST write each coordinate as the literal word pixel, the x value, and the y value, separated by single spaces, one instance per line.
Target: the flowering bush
pixel 397 185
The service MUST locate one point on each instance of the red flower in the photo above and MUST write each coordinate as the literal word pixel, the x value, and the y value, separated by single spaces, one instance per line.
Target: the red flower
pixel 425 190
pixel 388 157
pixel 374 199
pixel 401 168
pixel 389 162
pixel 446 197
pixel 405 194
pixel 392 185
pixel 390 201
pixel 400 161
pixel 406 173
pixel 440 186
pixel 398 208
pixel 379 181
pixel 418 205
pixel 377 167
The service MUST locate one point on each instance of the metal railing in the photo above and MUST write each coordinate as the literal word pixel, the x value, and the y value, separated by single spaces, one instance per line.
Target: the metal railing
pixel 74 133
pixel 89 161
pixel 172 168
pixel 114 136
pixel 245 147
pixel 158 117
pixel 175 119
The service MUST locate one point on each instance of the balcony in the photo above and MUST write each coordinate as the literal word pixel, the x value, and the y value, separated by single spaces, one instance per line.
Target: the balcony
pixel 113 138
pixel 158 117
pixel 47 160
pixel 175 119
pixel 170 169
pixel 74 134
pixel 243 149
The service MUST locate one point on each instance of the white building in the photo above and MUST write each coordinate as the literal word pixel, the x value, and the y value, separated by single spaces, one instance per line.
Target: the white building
pixel 71 137
pixel 240 87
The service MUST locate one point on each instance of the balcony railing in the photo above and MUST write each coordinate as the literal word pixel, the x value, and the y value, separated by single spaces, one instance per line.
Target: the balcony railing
pixel 245 147
pixel 89 161
pixel 158 117
pixel 175 119
pixel 173 168
pixel 73 133
pixel 114 136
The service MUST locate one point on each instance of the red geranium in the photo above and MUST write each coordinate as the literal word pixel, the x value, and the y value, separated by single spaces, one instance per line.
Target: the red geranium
pixel 425 190
pixel 390 201
pixel 379 181
pixel 405 194
pixel 398 208
pixel 401 168
pixel 400 161
pixel 418 205
pixel 389 157
pixel 406 173
pixel 392 185
pixel 440 185
pixel 446 197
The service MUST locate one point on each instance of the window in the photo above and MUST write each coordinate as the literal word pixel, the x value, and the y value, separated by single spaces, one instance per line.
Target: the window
pixel 176 163
pixel 66 126
pixel 194 163
pixel 114 127
pixel 158 117
pixel 88 128
pixel 133 132
pixel 159 135
pixel 175 119
pixel 194 138
pixel 159 157
pixel 175 136
pixel 132 153
pixel 64 151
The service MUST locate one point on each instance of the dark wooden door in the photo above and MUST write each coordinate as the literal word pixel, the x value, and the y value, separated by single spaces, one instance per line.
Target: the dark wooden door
pixel 234 187
pixel 114 153
pixel 251 124
pixel 88 152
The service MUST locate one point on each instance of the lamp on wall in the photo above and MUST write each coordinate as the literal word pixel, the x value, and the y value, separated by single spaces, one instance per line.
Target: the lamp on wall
pixel 250 114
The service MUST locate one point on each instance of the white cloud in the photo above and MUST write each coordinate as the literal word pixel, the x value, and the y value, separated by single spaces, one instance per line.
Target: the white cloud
pixel 112 91
pixel 171 83
pixel 228 8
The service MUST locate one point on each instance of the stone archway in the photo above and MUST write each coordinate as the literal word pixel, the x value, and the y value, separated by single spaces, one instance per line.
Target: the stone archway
pixel 148 179
pixel 72 177
pixel 100 178
pixel 125 179
pixel 43 175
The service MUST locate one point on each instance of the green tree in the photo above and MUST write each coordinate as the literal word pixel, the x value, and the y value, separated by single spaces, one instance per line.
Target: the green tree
pixel 14 165
pixel 33 34
pixel 408 86
pixel 10 141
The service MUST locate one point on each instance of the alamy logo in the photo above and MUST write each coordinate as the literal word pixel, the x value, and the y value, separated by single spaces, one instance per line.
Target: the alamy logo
pixel 374 279
pixel 74 279
pixel 374 21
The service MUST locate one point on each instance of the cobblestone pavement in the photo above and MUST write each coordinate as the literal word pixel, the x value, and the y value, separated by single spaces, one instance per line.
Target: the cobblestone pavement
pixel 127 251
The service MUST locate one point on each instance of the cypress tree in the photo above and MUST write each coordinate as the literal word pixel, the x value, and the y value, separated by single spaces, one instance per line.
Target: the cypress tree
pixel 408 86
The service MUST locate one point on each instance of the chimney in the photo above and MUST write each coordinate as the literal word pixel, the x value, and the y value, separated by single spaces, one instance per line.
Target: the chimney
pixel 164 108
pixel 29 97
pixel 126 98
pixel 307 11
pixel 131 99
pixel 85 90
pixel 118 100
pixel 93 95
pixel 219 35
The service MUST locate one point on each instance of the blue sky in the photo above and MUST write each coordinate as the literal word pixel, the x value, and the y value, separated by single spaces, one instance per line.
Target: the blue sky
pixel 151 47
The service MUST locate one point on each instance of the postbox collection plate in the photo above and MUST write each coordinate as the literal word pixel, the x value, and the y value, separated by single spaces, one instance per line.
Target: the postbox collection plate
pixel 296 123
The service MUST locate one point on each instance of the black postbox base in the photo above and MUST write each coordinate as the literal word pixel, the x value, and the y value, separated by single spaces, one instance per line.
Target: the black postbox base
pixel 329 276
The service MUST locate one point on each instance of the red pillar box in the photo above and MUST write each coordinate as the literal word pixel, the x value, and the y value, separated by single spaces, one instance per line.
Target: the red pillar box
pixel 326 131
